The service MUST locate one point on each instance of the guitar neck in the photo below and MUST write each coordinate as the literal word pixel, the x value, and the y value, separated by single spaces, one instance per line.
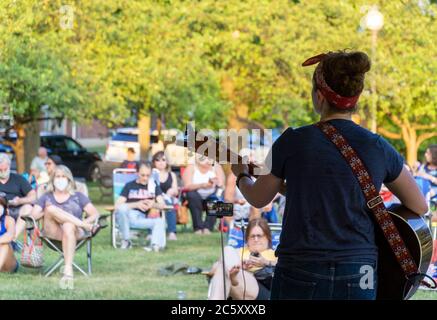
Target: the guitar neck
pixel 203 146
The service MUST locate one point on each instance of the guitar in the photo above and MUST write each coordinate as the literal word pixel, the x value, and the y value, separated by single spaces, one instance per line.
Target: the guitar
pixel 392 284
pixel 414 231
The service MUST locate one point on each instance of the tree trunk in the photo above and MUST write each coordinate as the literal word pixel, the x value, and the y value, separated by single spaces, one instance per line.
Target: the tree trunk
pixel 412 149
pixel 409 134
pixel 32 142
pixel 26 145
pixel 19 149
pixel 144 135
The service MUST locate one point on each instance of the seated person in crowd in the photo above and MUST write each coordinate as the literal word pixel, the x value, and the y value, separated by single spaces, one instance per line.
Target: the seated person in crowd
pixel 43 185
pixel 8 263
pixel 242 209
pixel 51 163
pixel 130 162
pixel 204 180
pixel 255 256
pixel 428 171
pixel 269 212
pixel 19 192
pixel 168 183
pixel 61 208
pixel 38 163
pixel 136 208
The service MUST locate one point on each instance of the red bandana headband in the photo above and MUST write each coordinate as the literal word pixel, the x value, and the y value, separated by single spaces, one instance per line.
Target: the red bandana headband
pixel 330 95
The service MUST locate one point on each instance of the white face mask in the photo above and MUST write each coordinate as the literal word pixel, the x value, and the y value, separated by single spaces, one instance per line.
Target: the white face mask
pixel 5 174
pixel 60 183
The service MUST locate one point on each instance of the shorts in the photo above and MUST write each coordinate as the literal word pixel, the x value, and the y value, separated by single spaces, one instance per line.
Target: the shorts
pixel 14 212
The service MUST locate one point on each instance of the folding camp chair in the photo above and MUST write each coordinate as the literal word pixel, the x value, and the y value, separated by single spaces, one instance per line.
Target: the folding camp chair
pixel 56 245
pixel 138 236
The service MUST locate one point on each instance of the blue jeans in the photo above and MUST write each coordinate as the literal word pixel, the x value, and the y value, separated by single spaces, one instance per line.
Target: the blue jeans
pixel 130 218
pixel 325 281
pixel 170 216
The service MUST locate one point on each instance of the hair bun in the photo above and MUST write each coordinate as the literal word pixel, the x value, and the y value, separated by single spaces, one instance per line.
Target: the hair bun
pixel 344 71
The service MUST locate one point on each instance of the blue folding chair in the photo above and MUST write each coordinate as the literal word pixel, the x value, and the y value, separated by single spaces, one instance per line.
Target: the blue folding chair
pixel 120 178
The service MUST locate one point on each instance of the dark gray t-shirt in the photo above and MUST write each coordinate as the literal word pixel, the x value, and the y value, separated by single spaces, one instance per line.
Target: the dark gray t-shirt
pixel 16 186
pixel 73 205
pixel 326 218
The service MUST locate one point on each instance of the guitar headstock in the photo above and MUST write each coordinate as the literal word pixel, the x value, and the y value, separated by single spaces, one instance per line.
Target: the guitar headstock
pixel 212 148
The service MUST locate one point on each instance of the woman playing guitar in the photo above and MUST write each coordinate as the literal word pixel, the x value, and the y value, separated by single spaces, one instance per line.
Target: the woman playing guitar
pixel 327 244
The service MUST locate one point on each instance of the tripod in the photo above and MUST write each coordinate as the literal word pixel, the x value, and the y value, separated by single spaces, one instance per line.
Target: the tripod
pixel 223 255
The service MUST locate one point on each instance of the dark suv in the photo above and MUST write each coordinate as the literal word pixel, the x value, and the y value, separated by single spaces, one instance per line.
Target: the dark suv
pixel 81 162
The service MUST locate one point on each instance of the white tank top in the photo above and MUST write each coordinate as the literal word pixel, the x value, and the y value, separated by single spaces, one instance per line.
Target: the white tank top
pixel 199 177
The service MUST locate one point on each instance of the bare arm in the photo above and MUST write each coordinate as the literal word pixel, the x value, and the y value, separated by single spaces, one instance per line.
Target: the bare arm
pixel 10 231
pixel 91 212
pixel 37 212
pixel 261 192
pixel 220 174
pixel 173 191
pixel 142 205
pixel 28 199
pixel 405 188
pixel 230 188
pixel 427 176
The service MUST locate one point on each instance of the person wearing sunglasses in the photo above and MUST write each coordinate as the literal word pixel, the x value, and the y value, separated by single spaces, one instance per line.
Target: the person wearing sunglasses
pixel 136 206
pixel 168 183
pixel 241 266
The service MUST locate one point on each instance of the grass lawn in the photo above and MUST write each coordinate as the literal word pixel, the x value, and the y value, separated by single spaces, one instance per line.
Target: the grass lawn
pixel 127 274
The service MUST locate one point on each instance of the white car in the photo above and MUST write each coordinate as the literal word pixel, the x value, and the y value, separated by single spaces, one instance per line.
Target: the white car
pixel 125 138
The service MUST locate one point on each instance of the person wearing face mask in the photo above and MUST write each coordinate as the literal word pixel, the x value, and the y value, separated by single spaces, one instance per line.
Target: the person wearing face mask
pixel 61 208
pixel 50 164
pixel 17 189
pixel 8 263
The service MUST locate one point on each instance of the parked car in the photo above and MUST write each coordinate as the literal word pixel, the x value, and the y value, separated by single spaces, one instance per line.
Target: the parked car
pixel 124 138
pixel 81 161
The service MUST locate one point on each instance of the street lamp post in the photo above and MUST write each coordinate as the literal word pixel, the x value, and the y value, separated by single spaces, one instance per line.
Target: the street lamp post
pixel 374 20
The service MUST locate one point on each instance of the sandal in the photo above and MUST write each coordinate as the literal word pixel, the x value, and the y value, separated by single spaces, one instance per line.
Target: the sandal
pixel 67 282
pixel 96 228
pixel 97 225
pixel 173 269
pixel 193 270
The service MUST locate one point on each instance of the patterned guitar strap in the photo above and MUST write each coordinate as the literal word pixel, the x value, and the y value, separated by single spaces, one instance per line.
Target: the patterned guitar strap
pixel 374 202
